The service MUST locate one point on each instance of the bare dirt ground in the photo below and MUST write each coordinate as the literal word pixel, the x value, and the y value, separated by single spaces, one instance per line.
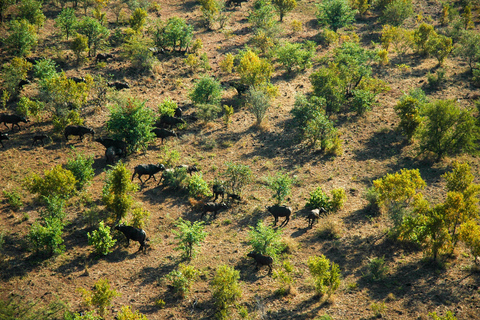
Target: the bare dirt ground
pixel 372 147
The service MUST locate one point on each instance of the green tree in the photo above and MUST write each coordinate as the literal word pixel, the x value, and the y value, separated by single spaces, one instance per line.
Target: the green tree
pixel 22 37
pixel 94 31
pixel 284 6
pixel 198 188
pixel 262 15
pixel 258 103
pixel 281 185
pixel 138 19
pixel 266 240
pixel 31 10
pixel 182 279
pixel 66 21
pixel 132 122
pixel 101 239
pixel 101 297
pixel 175 34
pixel 440 47
pixel 470 235
pixel 254 70
pixel 167 107
pixel 137 49
pixel 189 235
pixel 14 72
pixel 45 69
pixel 237 176
pixel 335 13
pixel 296 55
pixel 396 12
pixel 447 129
pixel 469 48
pixel 421 36
pixel 56 181
pixel 326 275
pixel 81 167
pixel 225 289
pixel 46 236
pixel 207 90
pixel 408 109
pixel 79 45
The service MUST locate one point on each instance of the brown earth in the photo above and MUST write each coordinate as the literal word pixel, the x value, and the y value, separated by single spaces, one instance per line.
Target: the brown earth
pixel 372 147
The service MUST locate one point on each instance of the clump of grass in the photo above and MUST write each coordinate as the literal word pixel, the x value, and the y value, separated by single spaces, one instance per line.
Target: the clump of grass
pixel 330 229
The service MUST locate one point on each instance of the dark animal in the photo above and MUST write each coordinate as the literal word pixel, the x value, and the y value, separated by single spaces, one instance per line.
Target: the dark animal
pixel 234 197
pixel 280 211
pixel 79 131
pixel 119 144
pixel 218 190
pixel 189 169
pixel 163 133
pixel 178 112
pixel 3 136
pixel 23 82
pixel 262 260
pixel 135 234
pixel 112 154
pixel 104 56
pixel 13 119
pixel 77 79
pixel 229 3
pixel 150 169
pixel 118 85
pixel 213 207
pixel 240 87
pixel 39 137
pixel 169 121
pixel 314 215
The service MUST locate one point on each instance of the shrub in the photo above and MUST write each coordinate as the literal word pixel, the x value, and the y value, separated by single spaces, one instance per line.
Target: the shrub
pixel 66 21
pixel 284 6
pixel 71 118
pixel 421 36
pixel 470 235
pixel 326 275
pixel 254 70
pixel 94 31
pixel 228 112
pixel 207 91
pixel 320 129
pixel 176 179
pixel 170 156
pixel 137 49
pixel 237 176
pixel 167 107
pixel 261 17
pixel 284 278
pixel 318 199
pixel 189 235
pixel 265 240
pixel 117 191
pixel 440 47
pixel 81 167
pixel 330 229
pixel 12 74
pixel 79 45
pixel 139 218
pixel 335 13
pixel 258 103
pixel 132 121
pixel 296 55
pixel 182 279
pixel 377 268
pixel 56 181
pixel 198 188
pixel 22 37
pixel 54 208
pixel 31 10
pixel 175 33
pixel 362 101
pixel 448 316
pixel 46 236
pixel 14 198
pixel 101 297
pixel 101 239
pixel 408 109
pixel 281 185
pixel 448 130
pixel 226 65
pixel 137 19
pixel 45 69
pixel 396 12
pixel 211 10
pixel 208 112
pixel 469 48
pixel 436 80
pixel 328 84
pixel 338 199
pixel 127 314
pixel 226 289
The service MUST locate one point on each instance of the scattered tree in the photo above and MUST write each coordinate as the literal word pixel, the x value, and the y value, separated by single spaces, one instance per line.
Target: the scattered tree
pixel 284 6
pixel 326 275
pixel 101 239
pixel 335 13
pixel 226 289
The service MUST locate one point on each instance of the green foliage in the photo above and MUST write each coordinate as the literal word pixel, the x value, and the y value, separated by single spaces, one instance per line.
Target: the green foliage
pixel 237 176
pixel 16 307
pixel 254 70
pixel 421 36
pixel 198 188
pixel 258 103
pixel 22 37
pixel 13 73
pixel 176 179
pixel 319 199
pixel 71 118
pixel 262 15
pixel 361 6
pixel 228 112
pixel 56 182
pixel 362 101
pixel 27 107
pixel 377 268
pixel 81 167
pixel 338 199
pixel 335 13
pixel 174 34
pixel 167 107
pixel 45 69
pixel 139 218
pixel 408 109
pixel 136 49
pixel 326 275
pixel 281 185
pixel 169 156
pixel 470 235
pixel 132 121
pixel 88 315
pixel 447 129
pixel 225 289
pixel 469 49
pixel 31 10
pixel 66 21
pixel 296 55
pixel 284 6
pixel 211 11
pixel 189 235
pixel 79 45
pixel 128 314
pixel 101 239
pixel 94 31
pixel 396 12
pixel 54 208
pixel 137 19
pixel 207 90
pixel 46 236
pixel 14 198
pixel 440 47
pixel 265 240
pixel 448 316
pixel 182 279
pixel 226 65
pixel 101 297
pixel 208 112
pixel 284 278
pixel 117 191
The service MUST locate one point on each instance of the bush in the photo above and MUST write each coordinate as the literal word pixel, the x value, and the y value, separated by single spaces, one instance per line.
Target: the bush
pixel 170 156
pixel 167 107
pixel 207 91
pixel 28 108
pixel 137 19
pixel 377 268
pixel 258 103
pixel 208 112
pixel 54 208
pixel 330 229
pixel 448 316
pixel 408 109
pixel 437 79
pixel 189 235
pixel 320 129
pixel 421 36
pixel 182 279
pixel 79 45
pixel 101 239
pixel 296 55
pixel 94 31
pixel 226 65
pixel 12 73
pixel 261 17
pixel 198 188
pixel 362 101
pixel 14 198
pixel 284 278
pixel 46 236
pixel 31 10
pixel 61 122
pixel 175 33
pixel 237 176
pixel 338 199
pixel 470 235
pixel 225 289
pixel 139 218
pixel 265 240
pixel 176 179
pixel 253 70
pixel 117 191
pixel 448 130
pixel 45 69
pixel 66 21
pixel 81 167
pixel 136 49
pixel 132 121
pixel 22 37
pixel 396 12
pixel 318 199
pixel 469 48
pixel 56 182
pixel 335 13
pixel 326 275
pixel 127 314
pixel 101 297
pixel 281 186
pixel 440 47
pixel 284 6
